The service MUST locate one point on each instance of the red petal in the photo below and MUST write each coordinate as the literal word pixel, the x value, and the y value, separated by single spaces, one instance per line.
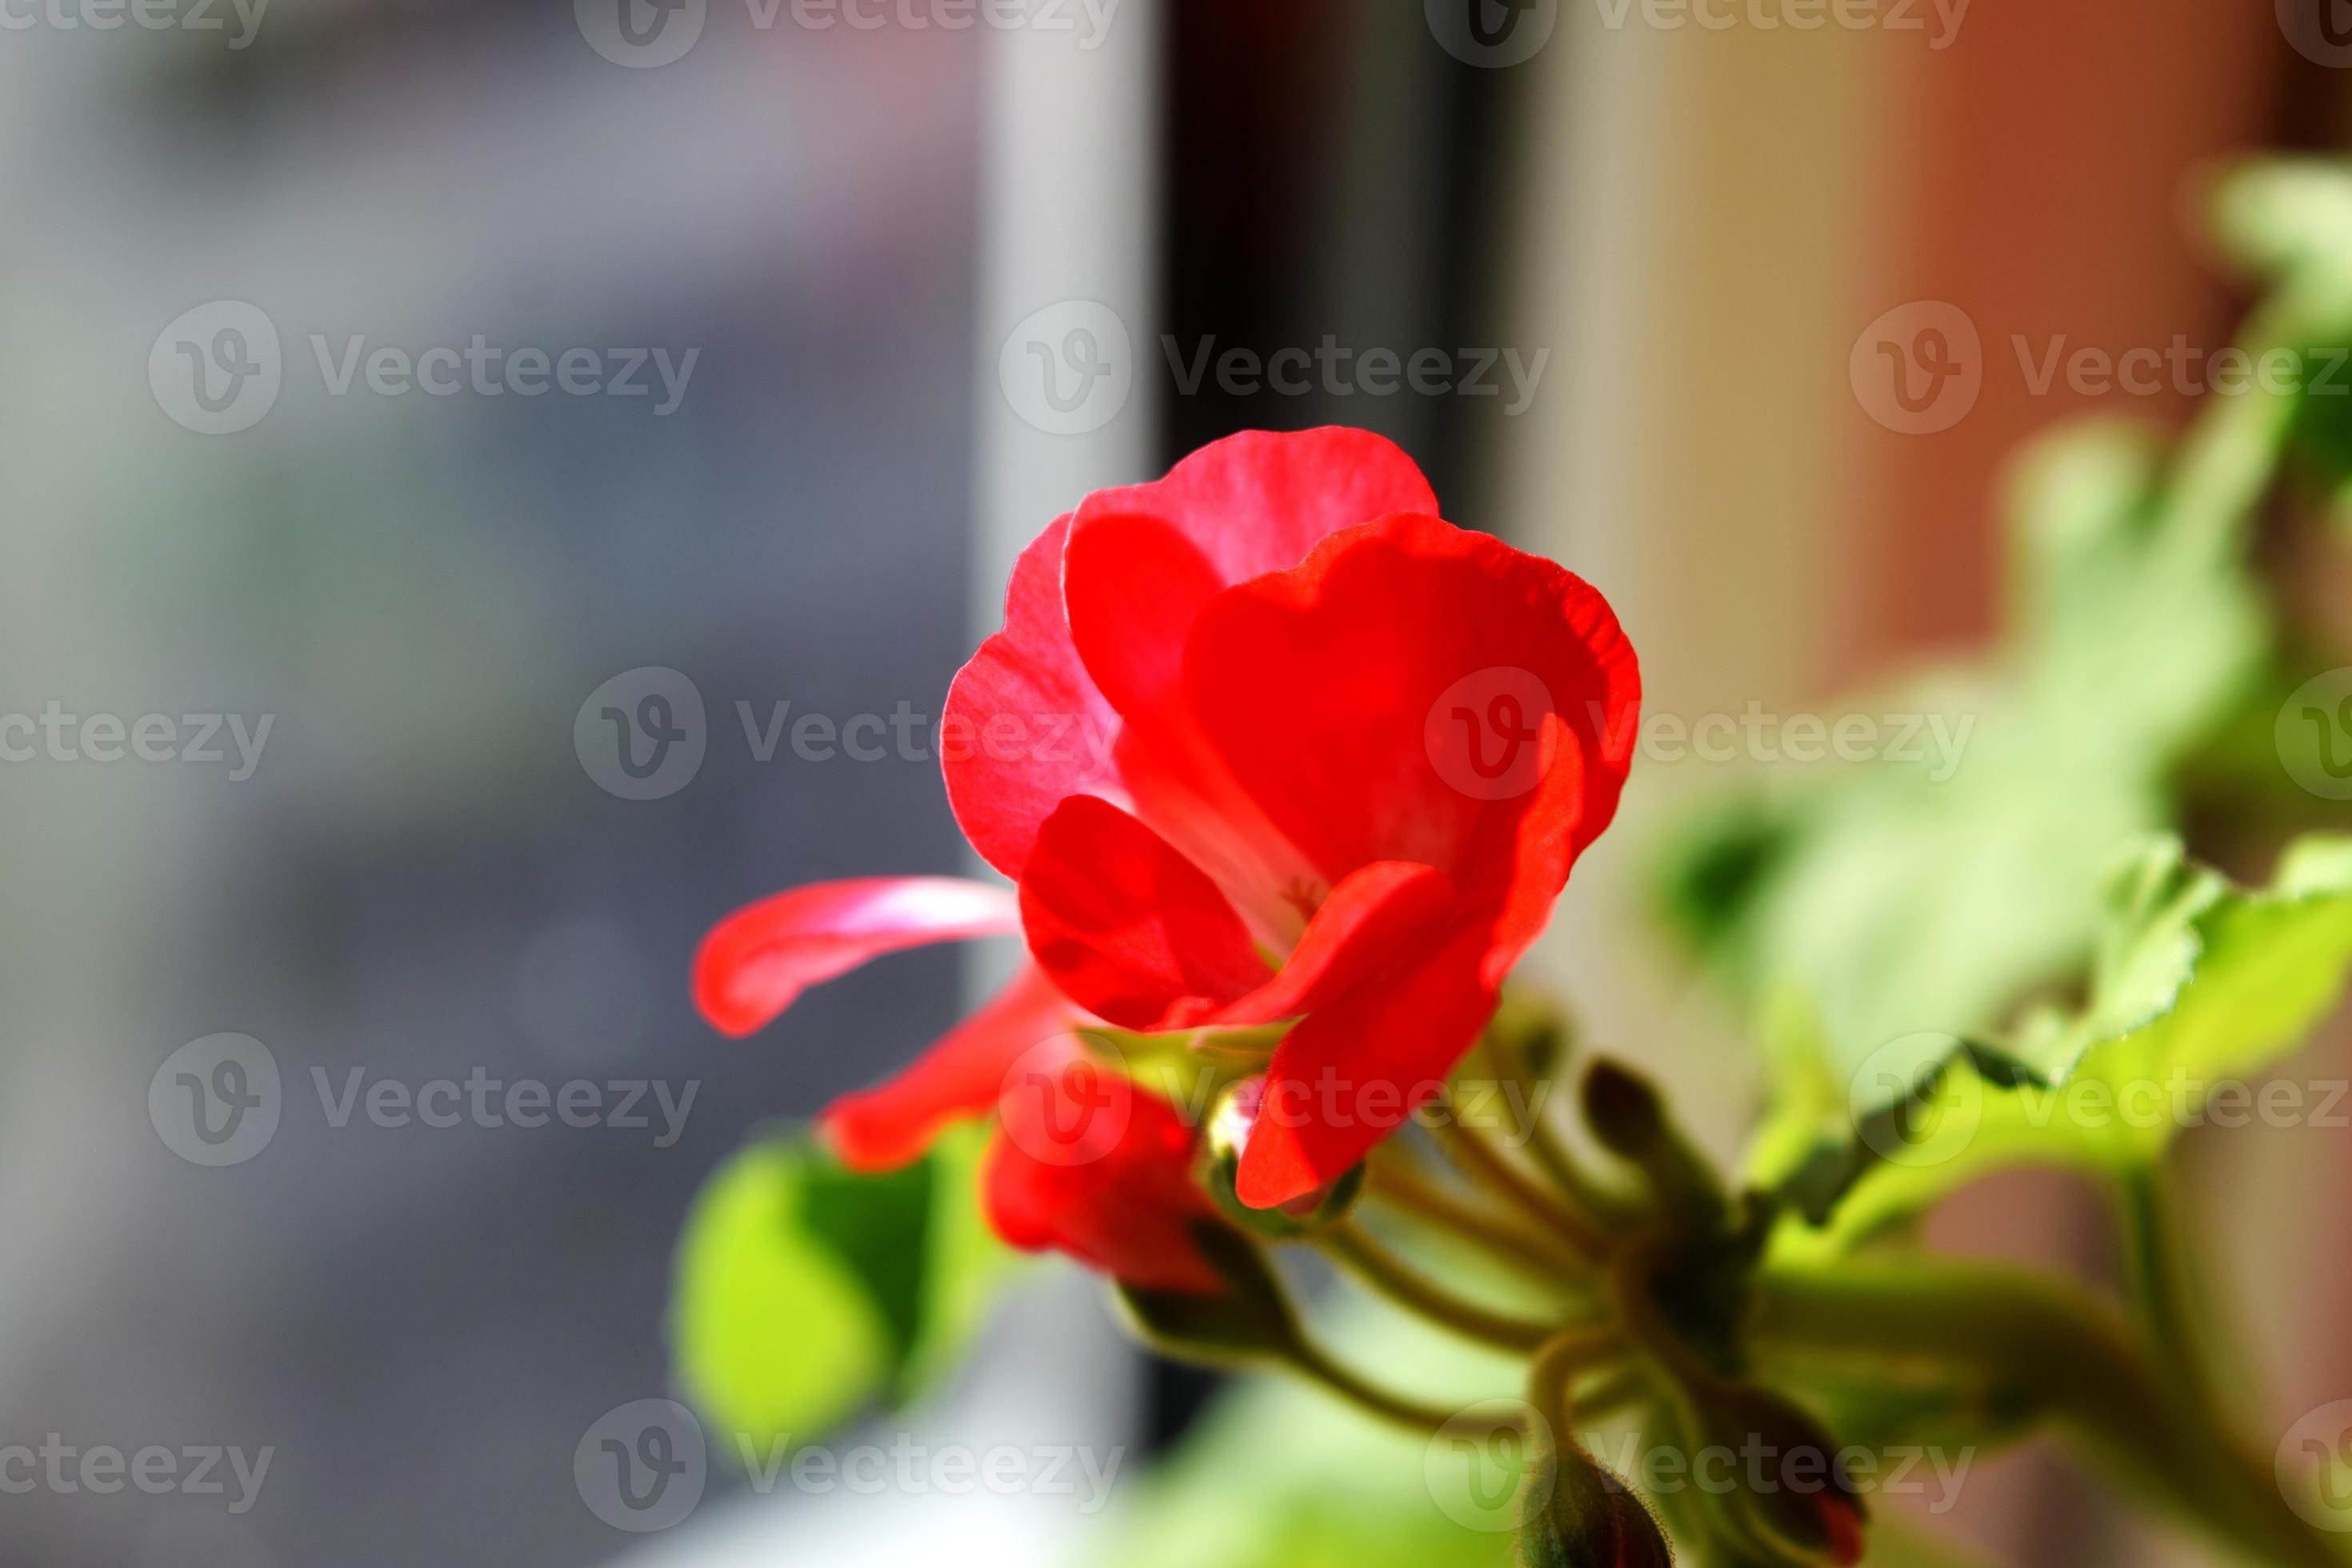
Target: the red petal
pixel 1133 586
pixel 756 962
pixel 960 1077
pixel 1128 928
pixel 1387 915
pixel 1321 688
pixel 1025 727
pixel 1348 1075
pixel 1845 1530
pixel 1258 501
pixel 1249 504
pixel 1125 1206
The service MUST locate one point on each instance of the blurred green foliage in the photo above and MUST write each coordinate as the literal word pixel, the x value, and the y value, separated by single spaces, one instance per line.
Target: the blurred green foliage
pixel 806 1292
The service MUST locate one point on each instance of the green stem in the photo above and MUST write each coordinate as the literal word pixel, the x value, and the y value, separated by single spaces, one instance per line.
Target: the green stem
pixel 1487 1164
pixel 1354 1249
pixel 2161 1286
pixel 1564 1355
pixel 1536 1254
pixel 1612 1393
pixel 2180 1319
pixel 1614 1210
pixel 2227 459
pixel 2081 1360
pixel 1312 1362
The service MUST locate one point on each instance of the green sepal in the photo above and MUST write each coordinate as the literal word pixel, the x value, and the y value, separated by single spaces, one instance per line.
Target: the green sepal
pixel 1576 1515
pixel 1250 1321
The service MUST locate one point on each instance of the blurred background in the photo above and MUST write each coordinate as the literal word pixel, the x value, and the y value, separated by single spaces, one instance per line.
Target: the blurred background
pixel 735 305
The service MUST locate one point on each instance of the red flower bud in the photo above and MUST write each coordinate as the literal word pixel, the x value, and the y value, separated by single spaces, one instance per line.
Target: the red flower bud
pixel 1087 1164
pixel 1585 1517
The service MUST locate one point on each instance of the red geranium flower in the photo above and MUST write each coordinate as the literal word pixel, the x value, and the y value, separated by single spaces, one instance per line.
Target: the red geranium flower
pixel 1353 752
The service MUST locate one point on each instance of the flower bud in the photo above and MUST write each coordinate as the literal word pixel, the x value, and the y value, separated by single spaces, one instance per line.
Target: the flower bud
pixel 1532 1030
pixel 1579 1516
pixel 1230 1125
pixel 1631 1122
pixel 1248 1320
pixel 1794 1497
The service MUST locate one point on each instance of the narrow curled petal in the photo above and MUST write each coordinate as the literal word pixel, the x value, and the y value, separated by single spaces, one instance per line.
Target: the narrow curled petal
pixel 959 1078
pixel 1125 1208
pixel 1025 727
pixel 1128 927
pixel 1348 1075
pixel 756 962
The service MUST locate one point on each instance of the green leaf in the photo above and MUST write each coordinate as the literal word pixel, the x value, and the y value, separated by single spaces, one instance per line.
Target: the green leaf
pixel 1906 895
pixel 2286 217
pixel 2198 985
pixel 805 1291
